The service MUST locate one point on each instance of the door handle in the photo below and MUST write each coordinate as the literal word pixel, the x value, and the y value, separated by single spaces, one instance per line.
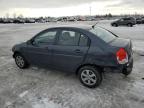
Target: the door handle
pixel 45 47
pixel 78 51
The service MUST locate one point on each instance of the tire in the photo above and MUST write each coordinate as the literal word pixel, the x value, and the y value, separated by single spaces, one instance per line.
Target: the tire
pixel 21 61
pixel 115 25
pixel 127 71
pixel 90 76
pixel 129 25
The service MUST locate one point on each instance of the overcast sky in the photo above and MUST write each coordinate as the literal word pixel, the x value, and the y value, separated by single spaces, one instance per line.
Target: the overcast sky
pixel 36 8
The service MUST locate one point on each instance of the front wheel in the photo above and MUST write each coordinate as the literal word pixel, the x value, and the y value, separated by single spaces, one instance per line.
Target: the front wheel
pixel 115 25
pixel 90 76
pixel 21 61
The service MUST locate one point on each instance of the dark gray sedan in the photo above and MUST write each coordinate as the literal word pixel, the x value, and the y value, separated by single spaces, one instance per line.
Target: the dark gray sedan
pixel 86 51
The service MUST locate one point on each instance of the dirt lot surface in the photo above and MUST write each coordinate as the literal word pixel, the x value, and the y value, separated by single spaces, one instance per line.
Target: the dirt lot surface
pixel 41 88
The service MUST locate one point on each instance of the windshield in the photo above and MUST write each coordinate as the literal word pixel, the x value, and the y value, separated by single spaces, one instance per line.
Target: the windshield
pixel 103 34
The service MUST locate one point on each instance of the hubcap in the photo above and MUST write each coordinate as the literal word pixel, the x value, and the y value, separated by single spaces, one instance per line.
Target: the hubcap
pixel 20 61
pixel 88 77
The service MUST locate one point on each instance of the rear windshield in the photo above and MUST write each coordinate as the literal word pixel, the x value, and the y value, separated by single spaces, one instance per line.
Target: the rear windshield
pixel 103 34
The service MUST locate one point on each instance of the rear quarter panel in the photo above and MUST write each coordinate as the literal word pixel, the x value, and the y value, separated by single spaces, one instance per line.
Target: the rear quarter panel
pixel 100 57
pixel 100 53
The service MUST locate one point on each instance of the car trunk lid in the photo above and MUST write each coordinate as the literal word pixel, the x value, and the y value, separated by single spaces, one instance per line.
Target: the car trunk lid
pixel 122 43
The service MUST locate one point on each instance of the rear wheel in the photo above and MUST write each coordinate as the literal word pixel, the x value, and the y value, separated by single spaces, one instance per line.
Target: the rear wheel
pixel 21 61
pixel 90 76
pixel 129 25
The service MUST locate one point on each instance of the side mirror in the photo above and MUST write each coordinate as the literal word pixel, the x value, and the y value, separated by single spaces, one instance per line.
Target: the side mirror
pixel 28 42
pixel 31 42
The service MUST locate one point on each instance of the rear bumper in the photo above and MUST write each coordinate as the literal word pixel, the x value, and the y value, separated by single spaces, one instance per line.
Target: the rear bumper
pixel 128 67
pixel 120 68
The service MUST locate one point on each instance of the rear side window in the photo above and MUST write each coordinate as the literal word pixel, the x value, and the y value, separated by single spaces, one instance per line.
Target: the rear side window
pixel 83 41
pixel 70 38
pixel 103 34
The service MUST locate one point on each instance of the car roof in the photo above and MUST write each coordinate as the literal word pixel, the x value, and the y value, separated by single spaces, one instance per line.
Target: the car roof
pixel 75 26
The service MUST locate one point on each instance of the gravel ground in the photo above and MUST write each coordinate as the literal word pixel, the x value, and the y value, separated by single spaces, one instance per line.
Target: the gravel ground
pixel 42 88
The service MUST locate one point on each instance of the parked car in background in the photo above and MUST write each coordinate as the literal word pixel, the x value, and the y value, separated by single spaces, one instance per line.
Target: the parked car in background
pixel 28 20
pixel 40 20
pixel 60 19
pixel 142 18
pixel 139 20
pixel 84 50
pixel 6 20
pixel 18 21
pixel 129 21
pixel 71 19
pixel 2 20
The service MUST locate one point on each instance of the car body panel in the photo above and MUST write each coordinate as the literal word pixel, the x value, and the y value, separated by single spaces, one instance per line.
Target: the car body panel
pixel 70 58
pixel 38 55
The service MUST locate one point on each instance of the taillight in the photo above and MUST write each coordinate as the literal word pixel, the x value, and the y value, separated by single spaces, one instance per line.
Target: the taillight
pixel 122 56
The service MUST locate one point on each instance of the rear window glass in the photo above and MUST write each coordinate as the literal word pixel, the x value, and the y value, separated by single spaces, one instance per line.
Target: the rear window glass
pixel 103 34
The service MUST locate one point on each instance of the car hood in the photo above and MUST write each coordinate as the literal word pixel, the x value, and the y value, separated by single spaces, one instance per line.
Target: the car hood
pixel 114 21
pixel 18 46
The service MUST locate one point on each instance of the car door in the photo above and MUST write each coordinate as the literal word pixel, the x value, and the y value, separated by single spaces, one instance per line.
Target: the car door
pixel 121 21
pixel 70 50
pixel 126 21
pixel 39 52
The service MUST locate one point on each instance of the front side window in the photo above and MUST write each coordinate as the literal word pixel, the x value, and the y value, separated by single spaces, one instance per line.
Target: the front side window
pixel 70 38
pixel 103 34
pixel 46 38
